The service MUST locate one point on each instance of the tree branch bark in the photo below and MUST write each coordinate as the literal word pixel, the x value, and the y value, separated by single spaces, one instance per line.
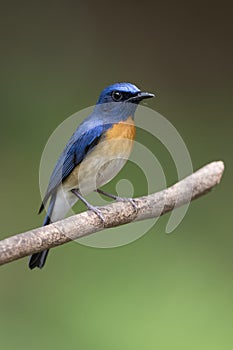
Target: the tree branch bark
pixel 115 214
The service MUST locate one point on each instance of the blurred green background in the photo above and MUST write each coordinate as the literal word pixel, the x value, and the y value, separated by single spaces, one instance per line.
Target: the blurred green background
pixel 162 291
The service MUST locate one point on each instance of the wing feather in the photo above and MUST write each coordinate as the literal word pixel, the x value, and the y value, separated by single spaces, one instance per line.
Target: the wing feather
pixel 73 154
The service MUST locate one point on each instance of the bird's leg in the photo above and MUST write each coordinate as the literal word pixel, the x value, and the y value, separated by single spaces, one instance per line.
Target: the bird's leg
pixel 88 205
pixel 109 195
pixel 117 198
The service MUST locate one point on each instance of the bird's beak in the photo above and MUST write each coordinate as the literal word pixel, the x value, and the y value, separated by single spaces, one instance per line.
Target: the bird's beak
pixel 143 95
pixel 140 96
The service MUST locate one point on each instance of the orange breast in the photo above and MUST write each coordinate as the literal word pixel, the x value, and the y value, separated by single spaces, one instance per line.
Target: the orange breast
pixel 105 160
pixel 122 130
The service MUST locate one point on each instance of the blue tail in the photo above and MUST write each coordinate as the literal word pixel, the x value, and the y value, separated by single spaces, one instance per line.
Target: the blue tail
pixel 39 259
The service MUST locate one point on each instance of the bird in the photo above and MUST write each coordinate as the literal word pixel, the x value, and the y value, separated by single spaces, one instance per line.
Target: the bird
pixel 94 155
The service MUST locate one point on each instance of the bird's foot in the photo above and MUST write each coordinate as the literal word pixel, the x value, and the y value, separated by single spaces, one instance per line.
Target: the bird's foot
pixel 89 206
pixel 125 199
pixel 97 211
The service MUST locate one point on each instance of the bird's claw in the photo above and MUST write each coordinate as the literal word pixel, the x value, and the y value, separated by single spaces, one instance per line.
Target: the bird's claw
pixel 98 212
pixel 130 200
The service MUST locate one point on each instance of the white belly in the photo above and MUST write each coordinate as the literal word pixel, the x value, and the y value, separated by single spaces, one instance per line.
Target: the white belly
pixel 100 166
pixel 64 201
pixel 93 175
pixel 103 164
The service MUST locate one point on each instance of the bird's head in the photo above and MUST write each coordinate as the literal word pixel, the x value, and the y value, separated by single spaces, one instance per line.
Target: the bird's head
pixel 123 92
pixel 121 99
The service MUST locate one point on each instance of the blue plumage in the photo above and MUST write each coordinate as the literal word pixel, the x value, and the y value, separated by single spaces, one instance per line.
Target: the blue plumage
pixel 126 88
pixel 73 154
pixel 116 103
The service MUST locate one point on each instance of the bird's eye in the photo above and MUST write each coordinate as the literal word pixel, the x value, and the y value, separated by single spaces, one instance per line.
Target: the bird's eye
pixel 117 96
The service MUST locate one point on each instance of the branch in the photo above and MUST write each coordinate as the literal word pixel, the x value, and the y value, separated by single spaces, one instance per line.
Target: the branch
pixel 119 213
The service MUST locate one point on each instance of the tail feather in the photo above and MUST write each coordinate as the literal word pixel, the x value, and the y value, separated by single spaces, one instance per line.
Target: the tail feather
pixel 39 259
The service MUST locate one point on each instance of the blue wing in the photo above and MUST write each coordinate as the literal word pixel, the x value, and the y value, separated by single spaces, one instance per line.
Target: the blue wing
pixel 73 154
